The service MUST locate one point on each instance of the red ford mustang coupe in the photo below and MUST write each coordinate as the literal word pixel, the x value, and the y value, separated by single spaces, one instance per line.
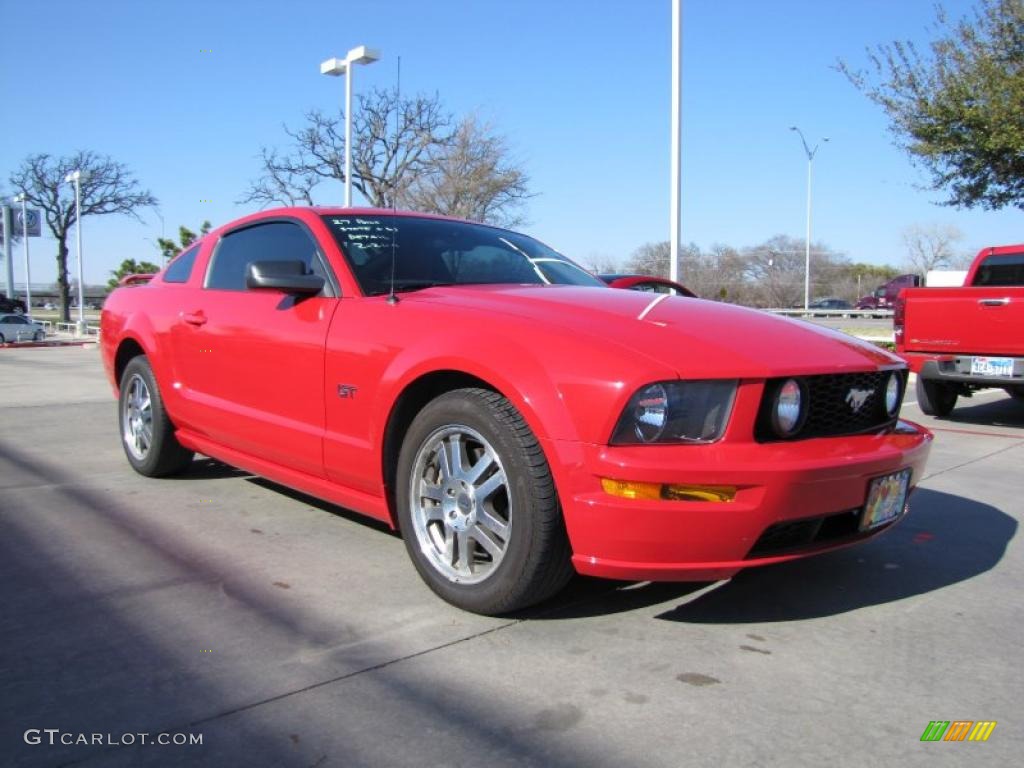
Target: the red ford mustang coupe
pixel 422 371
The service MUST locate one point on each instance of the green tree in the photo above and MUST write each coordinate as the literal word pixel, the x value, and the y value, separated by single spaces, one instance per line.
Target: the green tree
pixel 957 108
pixel 131 267
pixel 107 187
pixel 169 249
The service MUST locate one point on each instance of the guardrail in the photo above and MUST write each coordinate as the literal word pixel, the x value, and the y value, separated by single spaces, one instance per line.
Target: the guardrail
pixel 70 328
pixel 839 313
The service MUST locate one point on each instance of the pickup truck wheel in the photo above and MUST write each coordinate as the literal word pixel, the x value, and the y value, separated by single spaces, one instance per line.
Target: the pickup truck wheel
pixel 477 505
pixel 147 433
pixel 1017 393
pixel 935 398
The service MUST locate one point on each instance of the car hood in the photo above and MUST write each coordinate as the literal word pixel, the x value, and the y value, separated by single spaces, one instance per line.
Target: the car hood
pixel 698 338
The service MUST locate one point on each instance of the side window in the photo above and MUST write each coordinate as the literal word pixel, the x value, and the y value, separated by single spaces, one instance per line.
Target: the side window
pixel 274 241
pixel 181 268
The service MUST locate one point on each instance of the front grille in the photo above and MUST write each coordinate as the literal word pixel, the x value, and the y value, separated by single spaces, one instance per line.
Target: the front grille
pixel 830 401
pixel 811 532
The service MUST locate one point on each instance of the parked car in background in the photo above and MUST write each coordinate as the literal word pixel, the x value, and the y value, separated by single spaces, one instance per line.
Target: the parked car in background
pixel 20 328
pixel 959 340
pixel 830 305
pixel 649 284
pixel 11 305
pixel 423 371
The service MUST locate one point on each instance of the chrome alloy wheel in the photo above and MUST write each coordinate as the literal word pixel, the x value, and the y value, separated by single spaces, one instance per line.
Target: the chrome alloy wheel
pixel 137 418
pixel 460 503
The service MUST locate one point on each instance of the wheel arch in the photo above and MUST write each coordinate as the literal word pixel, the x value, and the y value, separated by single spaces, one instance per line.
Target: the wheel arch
pixel 424 387
pixel 128 348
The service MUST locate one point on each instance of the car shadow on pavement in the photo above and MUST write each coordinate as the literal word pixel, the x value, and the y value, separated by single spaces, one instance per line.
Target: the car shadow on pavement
pixel 325 506
pixel 946 539
pixel 210 469
pixel 1001 412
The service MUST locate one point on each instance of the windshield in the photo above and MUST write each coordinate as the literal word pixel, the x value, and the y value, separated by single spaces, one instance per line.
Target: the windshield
pixel 428 252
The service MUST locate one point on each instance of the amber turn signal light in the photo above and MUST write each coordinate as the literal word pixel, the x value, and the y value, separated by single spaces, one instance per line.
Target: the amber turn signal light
pixel 627 489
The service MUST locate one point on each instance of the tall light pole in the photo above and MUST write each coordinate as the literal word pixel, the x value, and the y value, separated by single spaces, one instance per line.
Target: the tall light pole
pixel 807 243
pixel 676 150
pixel 75 177
pixel 24 236
pixel 335 68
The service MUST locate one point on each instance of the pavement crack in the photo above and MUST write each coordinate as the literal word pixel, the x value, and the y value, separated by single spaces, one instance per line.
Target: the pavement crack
pixel 354 673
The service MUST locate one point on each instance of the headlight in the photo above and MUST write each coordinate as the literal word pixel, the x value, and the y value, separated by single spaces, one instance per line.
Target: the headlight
pixel 788 408
pixel 676 412
pixel 892 394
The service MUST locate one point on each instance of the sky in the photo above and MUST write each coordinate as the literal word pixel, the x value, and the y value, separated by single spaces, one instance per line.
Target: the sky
pixel 186 93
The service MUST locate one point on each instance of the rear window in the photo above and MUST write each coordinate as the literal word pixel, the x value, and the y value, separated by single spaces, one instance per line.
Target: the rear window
pixel 181 268
pixel 1002 269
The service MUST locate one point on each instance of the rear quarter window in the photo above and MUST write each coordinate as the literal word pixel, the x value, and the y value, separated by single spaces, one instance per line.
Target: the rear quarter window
pixel 1002 269
pixel 181 268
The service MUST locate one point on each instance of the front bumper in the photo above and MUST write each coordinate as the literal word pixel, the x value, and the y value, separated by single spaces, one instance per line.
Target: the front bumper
pixel 819 485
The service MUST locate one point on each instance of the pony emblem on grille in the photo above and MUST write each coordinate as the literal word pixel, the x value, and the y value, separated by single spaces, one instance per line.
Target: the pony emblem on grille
pixel 856 398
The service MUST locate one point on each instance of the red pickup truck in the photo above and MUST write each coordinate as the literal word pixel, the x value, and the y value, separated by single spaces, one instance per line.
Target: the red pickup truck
pixel 959 340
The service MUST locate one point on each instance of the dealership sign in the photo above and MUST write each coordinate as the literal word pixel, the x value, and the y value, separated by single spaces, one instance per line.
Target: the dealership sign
pixel 31 219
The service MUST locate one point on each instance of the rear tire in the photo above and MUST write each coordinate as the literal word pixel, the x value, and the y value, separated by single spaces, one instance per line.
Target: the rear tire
pixel 477 505
pixel 936 398
pixel 147 433
pixel 1017 393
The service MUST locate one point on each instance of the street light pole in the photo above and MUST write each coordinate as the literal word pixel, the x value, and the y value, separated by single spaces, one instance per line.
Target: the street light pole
pixel 676 147
pixel 76 178
pixel 336 67
pixel 24 236
pixel 807 242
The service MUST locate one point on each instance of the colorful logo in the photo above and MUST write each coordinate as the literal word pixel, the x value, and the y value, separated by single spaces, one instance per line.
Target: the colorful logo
pixel 958 730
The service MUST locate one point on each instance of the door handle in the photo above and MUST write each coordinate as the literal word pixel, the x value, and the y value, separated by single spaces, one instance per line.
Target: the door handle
pixel 994 302
pixel 194 318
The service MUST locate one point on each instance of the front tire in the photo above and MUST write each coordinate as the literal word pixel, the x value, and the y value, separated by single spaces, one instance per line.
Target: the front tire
pixel 147 433
pixel 936 398
pixel 477 505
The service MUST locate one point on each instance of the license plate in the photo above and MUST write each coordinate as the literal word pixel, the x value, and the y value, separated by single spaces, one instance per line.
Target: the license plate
pixel 887 497
pixel 992 366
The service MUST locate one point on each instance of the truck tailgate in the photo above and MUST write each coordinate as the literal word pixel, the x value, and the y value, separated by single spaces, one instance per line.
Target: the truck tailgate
pixel 972 320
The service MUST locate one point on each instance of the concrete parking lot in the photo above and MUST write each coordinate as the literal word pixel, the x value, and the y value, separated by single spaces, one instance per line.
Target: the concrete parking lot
pixel 286 631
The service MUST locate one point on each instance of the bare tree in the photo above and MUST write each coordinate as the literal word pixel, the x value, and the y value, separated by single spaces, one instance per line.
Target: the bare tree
pixel 405 152
pixel 931 246
pixel 650 259
pixel 472 177
pixel 107 187
pixel 599 263
pixel 395 140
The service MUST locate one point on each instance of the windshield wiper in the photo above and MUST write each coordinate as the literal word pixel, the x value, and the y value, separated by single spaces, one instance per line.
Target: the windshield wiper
pixel 404 286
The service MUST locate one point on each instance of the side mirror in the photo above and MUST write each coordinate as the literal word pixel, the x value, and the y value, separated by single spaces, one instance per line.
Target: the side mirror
pixel 287 276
